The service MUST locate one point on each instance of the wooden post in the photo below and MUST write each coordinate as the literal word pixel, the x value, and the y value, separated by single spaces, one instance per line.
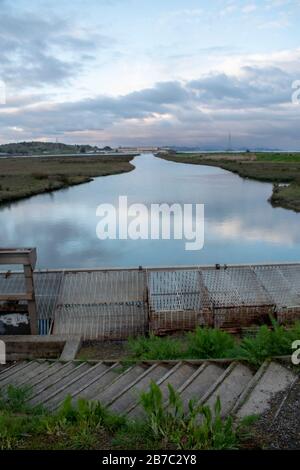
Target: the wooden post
pixel 28 272
pixel 27 257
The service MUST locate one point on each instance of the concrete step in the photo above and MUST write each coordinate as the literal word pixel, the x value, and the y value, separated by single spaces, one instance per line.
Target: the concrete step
pixel 49 372
pixel 270 379
pixel 7 369
pixel 241 392
pixel 228 387
pixel 123 402
pixel 19 373
pixel 14 369
pixel 64 379
pixel 176 377
pixel 200 382
pixel 120 383
pixel 77 383
pixel 51 378
pixel 21 347
pixel 29 377
pixel 95 386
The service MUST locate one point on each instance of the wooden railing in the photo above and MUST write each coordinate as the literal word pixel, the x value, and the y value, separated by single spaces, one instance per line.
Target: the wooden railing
pixel 27 258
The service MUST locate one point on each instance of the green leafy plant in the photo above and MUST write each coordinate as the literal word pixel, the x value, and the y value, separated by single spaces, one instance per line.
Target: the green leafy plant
pixel 198 427
pixel 155 347
pixel 207 343
pixel 268 343
pixel 14 399
pixel 210 343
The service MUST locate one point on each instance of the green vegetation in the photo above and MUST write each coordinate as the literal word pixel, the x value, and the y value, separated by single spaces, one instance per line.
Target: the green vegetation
pixel 278 157
pixel 207 343
pixel 268 343
pixel 275 168
pixel 204 343
pixel 84 426
pixel 167 424
pixel 23 177
pixel 286 196
pixel 88 425
pixel 38 148
pixel 198 427
pixel 15 399
pixel 156 348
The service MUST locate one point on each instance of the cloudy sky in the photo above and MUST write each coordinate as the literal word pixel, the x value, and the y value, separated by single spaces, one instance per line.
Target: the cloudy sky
pixel 126 72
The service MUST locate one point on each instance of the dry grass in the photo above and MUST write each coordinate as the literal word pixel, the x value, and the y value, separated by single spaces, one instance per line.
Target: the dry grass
pixel 270 167
pixel 24 177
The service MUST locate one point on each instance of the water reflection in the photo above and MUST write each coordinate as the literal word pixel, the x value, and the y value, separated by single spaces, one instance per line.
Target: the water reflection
pixel 240 224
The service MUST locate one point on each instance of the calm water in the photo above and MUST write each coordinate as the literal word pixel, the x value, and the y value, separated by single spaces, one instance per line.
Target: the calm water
pixel 240 225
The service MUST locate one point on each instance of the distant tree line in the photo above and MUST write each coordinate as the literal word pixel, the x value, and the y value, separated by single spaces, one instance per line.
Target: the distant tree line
pixel 38 148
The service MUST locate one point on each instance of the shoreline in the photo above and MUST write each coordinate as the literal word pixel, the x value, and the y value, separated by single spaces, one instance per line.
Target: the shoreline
pixel 267 168
pixel 24 177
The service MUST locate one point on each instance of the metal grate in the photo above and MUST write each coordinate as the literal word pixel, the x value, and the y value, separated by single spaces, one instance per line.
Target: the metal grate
pixel 102 304
pixel 176 300
pixel 47 290
pixel 174 290
pixel 47 287
pixel 12 283
pixel 103 286
pixel 282 284
pixel 106 321
pixel 114 303
pixel 234 287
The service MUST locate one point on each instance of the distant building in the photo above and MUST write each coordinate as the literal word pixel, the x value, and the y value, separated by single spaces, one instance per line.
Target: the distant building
pixel 138 149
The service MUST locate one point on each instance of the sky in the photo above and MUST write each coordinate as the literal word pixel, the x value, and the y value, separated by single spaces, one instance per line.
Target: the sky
pixel 151 72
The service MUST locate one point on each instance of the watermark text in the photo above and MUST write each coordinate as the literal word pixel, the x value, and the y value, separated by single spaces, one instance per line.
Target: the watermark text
pixel 157 222
pixel 2 352
pixel 296 93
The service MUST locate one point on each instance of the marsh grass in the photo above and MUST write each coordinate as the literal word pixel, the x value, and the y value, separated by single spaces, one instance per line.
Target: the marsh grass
pixel 206 343
pixel 25 176
pixel 270 167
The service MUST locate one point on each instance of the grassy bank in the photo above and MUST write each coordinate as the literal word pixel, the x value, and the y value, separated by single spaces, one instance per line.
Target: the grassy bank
pixel 274 168
pixel 207 343
pixel 90 426
pixel 203 343
pixel 23 177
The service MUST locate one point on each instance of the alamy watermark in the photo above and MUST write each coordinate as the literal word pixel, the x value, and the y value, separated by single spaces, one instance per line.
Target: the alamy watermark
pixel 2 352
pixel 296 353
pixel 296 93
pixel 159 221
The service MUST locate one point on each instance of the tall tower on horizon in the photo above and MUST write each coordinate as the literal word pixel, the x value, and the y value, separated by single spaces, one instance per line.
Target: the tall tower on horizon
pixel 229 148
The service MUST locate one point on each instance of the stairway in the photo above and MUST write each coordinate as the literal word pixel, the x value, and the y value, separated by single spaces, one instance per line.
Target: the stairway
pixel 242 391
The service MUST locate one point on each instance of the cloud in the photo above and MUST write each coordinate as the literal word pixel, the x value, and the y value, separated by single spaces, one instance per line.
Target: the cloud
pixel 275 24
pixel 177 84
pixel 230 7
pixel 250 8
pixel 42 51
pixel 255 86
pixel 237 229
pixel 255 102
pixel 186 15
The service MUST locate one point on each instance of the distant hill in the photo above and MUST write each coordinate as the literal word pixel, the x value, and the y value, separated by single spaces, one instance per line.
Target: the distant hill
pixel 40 148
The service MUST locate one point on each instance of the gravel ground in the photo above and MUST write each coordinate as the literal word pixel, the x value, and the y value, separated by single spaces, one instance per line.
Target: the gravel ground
pixel 280 430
